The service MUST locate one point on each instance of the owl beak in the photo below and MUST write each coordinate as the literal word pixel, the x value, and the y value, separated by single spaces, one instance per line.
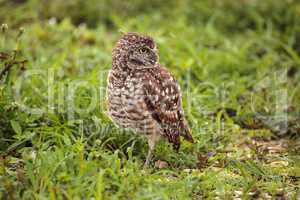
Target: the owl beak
pixel 144 65
pixel 137 61
pixel 148 67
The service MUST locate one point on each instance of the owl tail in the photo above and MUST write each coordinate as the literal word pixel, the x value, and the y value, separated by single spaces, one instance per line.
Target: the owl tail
pixel 185 132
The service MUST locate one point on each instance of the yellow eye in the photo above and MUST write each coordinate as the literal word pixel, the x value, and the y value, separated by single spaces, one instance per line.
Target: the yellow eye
pixel 143 50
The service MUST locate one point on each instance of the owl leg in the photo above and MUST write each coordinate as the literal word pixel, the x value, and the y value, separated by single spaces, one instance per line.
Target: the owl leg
pixel 152 140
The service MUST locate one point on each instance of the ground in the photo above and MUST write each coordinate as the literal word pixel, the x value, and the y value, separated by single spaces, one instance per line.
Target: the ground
pixel 238 64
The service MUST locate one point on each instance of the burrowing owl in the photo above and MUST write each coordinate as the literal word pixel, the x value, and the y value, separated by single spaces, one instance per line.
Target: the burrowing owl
pixel 142 95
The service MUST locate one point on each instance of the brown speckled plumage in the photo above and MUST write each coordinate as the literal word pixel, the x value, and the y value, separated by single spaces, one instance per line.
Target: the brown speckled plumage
pixel 142 95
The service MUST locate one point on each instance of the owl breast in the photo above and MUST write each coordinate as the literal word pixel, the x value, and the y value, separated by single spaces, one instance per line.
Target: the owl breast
pixel 126 104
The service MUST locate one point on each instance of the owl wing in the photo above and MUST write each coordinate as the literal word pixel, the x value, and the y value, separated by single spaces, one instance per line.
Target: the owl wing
pixel 163 100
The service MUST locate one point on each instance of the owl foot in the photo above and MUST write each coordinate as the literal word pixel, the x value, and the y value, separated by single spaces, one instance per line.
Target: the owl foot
pixel 149 158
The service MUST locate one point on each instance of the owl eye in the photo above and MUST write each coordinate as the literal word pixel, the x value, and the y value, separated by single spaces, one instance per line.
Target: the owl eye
pixel 143 50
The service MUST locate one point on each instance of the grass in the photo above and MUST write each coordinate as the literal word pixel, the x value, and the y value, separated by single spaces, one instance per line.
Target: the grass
pixel 237 63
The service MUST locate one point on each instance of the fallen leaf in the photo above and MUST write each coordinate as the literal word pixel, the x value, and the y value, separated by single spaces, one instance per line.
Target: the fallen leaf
pixel 161 164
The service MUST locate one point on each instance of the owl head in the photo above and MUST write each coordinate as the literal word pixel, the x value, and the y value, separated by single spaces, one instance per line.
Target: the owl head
pixel 135 51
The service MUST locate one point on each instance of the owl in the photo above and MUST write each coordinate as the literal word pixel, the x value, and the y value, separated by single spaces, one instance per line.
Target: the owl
pixel 142 95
